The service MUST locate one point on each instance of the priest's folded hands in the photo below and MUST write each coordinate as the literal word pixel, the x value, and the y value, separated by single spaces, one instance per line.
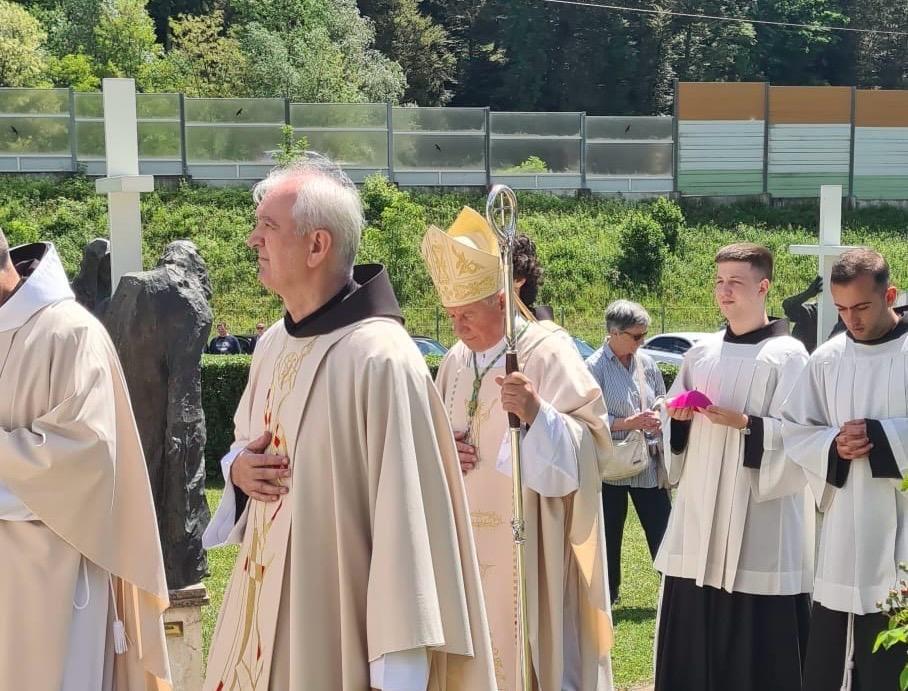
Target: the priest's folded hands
pixel 259 474
pixel 852 442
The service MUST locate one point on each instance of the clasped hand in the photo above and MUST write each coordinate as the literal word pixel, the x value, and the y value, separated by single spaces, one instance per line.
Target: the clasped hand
pixel 258 474
pixel 852 441
pixel 518 396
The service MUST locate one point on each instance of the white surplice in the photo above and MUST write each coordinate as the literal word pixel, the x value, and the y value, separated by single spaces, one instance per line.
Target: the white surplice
pixel 864 534
pixel 741 529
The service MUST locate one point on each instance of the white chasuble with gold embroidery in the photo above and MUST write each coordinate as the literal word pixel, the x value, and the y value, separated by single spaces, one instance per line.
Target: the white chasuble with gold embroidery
pixel 569 612
pixel 370 553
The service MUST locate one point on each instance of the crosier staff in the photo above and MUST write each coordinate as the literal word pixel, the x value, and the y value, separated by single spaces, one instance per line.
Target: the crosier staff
pixel 501 213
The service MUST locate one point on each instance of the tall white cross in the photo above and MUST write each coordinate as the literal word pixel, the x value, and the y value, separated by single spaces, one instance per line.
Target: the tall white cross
pixel 829 249
pixel 123 183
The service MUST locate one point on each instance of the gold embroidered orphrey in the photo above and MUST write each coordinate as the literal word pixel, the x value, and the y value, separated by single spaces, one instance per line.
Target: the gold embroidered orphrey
pixel 244 666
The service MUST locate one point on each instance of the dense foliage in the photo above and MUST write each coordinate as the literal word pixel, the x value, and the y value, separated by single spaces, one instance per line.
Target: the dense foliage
pixel 509 54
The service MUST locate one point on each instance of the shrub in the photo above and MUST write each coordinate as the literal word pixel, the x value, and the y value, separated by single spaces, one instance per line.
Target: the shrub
pixel 669 373
pixel 377 194
pixel 671 219
pixel 533 164
pixel 641 250
pixel 223 380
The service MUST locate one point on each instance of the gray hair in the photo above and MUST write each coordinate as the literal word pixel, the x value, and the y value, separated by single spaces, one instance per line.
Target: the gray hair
pixel 326 198
pixel 621 315
pixel 4 250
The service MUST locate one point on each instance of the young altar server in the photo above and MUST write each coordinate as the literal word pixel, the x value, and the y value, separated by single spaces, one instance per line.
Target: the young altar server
pixel 846 424
pixel 737 557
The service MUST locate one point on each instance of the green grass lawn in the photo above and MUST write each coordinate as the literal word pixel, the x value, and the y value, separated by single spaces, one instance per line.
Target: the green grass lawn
pixel 632 656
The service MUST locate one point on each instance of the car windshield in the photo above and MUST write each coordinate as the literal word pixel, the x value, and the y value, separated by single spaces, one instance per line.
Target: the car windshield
pixel 429 347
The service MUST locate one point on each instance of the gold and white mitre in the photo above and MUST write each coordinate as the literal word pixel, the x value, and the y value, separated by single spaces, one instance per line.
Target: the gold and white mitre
pixel 465 263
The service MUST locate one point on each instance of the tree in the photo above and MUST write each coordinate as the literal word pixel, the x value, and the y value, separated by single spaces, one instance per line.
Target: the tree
pixel 75 70
pixel 788 55
pixel 418 44
pixel 881 60
pixel 202 60
pixel 71 25
pixel 124 38
pixel 22 56
pixel 314 50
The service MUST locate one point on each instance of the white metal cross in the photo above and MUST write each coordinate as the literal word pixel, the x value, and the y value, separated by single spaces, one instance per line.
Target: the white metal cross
pixel 123 183
pixel 829 249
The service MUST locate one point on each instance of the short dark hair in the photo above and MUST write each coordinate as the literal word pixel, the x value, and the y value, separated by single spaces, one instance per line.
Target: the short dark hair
pixel 222 323
pixel 4 250
pixel 757 256
pixel 861 262
pixel 526 265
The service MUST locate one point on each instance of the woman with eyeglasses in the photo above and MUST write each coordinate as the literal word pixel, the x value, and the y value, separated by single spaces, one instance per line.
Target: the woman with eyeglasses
pixel 615 368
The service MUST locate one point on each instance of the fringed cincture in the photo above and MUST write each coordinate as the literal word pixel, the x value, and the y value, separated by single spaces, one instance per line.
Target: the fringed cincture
pixel 847 678
pixel 121 642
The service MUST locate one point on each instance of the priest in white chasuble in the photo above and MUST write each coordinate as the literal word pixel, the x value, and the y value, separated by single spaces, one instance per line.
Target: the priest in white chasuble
pixel 82 586
pixel 357 567
pixel 846 424
pixel 737 556
pixel 568 436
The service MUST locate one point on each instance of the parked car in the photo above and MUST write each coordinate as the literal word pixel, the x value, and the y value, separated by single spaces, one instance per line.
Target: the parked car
pixel 429 346
pixel 670 347
pixel 585 348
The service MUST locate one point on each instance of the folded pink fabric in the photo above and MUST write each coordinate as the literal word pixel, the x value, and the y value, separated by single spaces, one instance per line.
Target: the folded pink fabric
pixel 689 399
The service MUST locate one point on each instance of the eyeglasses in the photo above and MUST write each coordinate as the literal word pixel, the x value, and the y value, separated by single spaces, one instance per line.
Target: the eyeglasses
pixel 637 337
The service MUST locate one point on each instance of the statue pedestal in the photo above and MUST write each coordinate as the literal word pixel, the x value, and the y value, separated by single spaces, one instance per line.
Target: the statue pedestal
pixel 183 628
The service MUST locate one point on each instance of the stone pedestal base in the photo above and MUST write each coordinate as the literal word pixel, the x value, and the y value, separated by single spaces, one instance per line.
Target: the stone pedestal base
pixel 183 628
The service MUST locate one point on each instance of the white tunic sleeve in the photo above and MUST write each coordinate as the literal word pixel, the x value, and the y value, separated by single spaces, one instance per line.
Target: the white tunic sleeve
pixel 773 474
pixel 224 528
pixel 807 433
pixel 674 432
pixel 549 459
pixel 404 670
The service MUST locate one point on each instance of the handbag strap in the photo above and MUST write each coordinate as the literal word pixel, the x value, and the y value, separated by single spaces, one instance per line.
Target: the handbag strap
pixel 641 383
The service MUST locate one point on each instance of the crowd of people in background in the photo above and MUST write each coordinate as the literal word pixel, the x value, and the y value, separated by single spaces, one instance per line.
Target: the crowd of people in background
pixel 226 343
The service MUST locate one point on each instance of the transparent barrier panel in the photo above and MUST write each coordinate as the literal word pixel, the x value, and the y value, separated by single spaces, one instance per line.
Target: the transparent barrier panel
pixel 536 124
pixel 339 115
pixel 27 135
pixel 535 156
pixel 159 140
pixel 235 110
pixel 608 127
pixel 35 101
pixel 352 149
pixel 439 119
pixel 629 159
pixel 158 106
pixel 233 144
pixel 90 140
pixel 89 105
pixel 439 152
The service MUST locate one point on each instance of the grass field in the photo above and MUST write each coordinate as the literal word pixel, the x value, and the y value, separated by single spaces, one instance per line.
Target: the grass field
pixel 634 617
